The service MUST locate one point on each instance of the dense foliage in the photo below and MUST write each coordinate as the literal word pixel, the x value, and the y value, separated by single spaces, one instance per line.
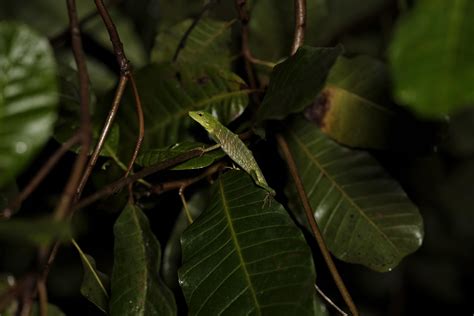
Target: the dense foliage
pixel 375 108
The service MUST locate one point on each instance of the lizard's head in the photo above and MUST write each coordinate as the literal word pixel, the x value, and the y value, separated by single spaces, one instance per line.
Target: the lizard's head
pixel 203 118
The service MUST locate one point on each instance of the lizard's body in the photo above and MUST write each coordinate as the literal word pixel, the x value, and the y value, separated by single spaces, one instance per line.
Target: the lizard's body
pixel 233 146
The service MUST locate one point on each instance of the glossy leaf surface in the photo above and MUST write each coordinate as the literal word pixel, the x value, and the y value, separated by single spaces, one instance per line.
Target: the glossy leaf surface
pixel 435 78
pixel 364 215
pixel 137 288
pixel 244 256
pixel 95 284
pixel 28 97
pixel 169 93
pixel 297 81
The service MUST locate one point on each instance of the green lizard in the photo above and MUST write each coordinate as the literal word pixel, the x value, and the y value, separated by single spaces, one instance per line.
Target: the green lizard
pixel 232 146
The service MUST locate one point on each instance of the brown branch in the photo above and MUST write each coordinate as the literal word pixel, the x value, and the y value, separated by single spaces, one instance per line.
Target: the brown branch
pixel 119 184
pixel 103 134
pixel 184 38
pixel 125 75
pixel 184 183
pixel 42 296
pixel 63 208
pixel 300 25
pixel 141 124
pixel 114 38
pixel 244 18
pixel 62 37
pixel 39 176
pixel 283 145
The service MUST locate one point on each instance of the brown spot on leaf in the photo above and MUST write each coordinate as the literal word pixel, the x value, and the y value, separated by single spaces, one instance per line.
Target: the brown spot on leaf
pixel 317 111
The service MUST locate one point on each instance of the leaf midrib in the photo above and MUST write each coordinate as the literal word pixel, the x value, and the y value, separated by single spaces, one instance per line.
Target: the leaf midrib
pixel 342 191
pixel 233 235
pixel 179 115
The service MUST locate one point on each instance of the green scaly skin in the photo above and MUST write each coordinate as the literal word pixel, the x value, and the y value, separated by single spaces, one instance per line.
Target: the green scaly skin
pixel 233 146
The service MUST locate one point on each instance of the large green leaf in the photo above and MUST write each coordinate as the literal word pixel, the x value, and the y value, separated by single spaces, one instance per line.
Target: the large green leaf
pixel 172 252
pixel 432 57
pixel 208 43
pixel 169 93
pixel 28 97
pixel 297 81
pixel 363 213
pixel 137 288
pixel 245 256
pixel 34 231
pixel 355 88
pixel 95 284
pixel 152 156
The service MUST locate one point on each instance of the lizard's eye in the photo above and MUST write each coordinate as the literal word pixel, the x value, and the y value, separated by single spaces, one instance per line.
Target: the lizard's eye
pixel 200 114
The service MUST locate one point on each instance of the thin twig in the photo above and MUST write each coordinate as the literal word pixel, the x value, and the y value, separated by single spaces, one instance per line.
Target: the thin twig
pixel 300 25
pixel 39 176
pixel 327 299
pixel 141 124
pixel 114 37
pixel 184 183
pixel 42 296
pixel 314 226
pixel 184 38
pixel 63 208
pixel 244 18
pixel 60 38
pixel 125 75
pixel 103 134
pixel 119 184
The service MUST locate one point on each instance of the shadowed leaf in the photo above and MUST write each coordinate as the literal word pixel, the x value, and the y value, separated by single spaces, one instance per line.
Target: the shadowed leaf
pixel 95 284
pixel 296 82
pixel 28 97
pixel 364 214
pixel 169 93
pixel 245 256
pixel 208 43
pixel 137 288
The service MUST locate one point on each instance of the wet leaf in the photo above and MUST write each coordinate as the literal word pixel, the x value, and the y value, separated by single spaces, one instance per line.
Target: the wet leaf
pixel 95 284
pixel 28 97
pixel 363 213
pixel 296 82
pixel 435 78
pixel 244 255
pixel 137 288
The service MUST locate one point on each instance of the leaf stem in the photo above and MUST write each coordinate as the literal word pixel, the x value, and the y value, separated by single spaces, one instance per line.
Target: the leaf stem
pixel 283 145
